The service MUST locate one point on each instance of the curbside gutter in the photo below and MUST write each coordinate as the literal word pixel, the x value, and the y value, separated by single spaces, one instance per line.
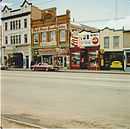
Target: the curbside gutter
pixel 23 123
pixel 76 71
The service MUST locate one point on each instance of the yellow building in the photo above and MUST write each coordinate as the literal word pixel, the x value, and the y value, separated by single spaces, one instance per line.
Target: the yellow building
pixel 116 47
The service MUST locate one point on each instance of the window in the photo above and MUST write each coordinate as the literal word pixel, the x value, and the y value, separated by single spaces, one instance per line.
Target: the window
pixel 19 24
pixel 11 25
pixel 11 39
pixel 6 39
pixel 116 42
pixel 25 23
pixel 52 36
pixel 87 36
pixel 75 58
pixel 6 25
pixel 128 59
pixel 44 36
pixel 25 38
pixel 36 39
pixel 14 39
pixel 106 42
pixel 19 38
pixel 62 35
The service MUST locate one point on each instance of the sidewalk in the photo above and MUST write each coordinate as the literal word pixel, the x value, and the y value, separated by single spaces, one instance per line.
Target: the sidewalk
pixel 78 71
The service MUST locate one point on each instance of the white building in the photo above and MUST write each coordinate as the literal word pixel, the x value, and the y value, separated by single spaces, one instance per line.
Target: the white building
pixel 16 34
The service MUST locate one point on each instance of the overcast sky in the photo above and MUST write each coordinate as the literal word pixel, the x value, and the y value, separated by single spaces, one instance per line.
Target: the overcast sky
pixel 83 10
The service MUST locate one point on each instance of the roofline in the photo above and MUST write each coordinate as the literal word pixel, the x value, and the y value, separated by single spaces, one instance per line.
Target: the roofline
pixel 24 3
pixel 112 29
pixel 5 8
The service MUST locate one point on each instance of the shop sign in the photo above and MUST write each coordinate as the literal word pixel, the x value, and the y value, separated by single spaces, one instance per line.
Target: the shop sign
pixel 75 40
pixel 64 44
pixel 51 44
pixel 62 26
pixel 52 27
pixel 88 39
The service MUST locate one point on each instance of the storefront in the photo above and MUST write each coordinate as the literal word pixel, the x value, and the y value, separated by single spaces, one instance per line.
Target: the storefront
pixel 54 56
pixel 113 60
pixel 15 60
pixel 84 51
pixel 127 60
pixel 85 58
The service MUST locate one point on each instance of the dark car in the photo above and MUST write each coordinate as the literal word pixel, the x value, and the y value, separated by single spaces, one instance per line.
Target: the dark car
pixel 3 67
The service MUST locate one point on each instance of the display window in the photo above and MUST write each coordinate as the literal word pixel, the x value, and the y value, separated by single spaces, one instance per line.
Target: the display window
pixel 128 59
pixel 92 59
pixel 75 59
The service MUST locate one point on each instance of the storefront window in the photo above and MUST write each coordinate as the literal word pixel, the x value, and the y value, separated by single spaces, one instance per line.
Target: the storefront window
pixel 92 59
pixel 62 35
pixel 128 59
pixel 75 58
pixel 47 59
pixel 44 35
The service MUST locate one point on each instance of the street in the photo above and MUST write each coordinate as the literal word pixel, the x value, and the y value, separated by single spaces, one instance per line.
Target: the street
pixel 71 100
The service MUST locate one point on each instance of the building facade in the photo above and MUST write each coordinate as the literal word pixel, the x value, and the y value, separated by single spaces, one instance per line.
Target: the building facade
pixel 114 45
pixel 50 38
pixel 16 33
pixel 126 47
pixel 84 50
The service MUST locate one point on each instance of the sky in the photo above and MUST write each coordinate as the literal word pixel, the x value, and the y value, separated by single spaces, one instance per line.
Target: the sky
pixel 93 12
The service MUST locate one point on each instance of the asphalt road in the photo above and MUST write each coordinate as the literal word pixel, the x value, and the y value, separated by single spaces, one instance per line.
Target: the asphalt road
pixel 67 99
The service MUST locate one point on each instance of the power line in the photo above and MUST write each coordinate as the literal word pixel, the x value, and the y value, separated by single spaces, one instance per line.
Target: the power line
pixel 99 20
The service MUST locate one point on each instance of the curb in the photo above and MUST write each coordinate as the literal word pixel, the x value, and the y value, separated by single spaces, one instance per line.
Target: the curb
pixel 23 123
pixel 77 71
pixel 96 72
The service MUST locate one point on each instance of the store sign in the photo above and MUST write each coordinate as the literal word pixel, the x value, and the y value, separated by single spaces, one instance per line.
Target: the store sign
pixel 75 40
pixel 62 26
pixel 88 39
pixel 51 44
pixel 84 39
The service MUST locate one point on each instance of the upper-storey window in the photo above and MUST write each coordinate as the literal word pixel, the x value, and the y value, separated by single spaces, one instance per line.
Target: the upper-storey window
pixel 36 39
pixel 25 23
pixel 116 42
pixel 19 22
pixel 25 38
pixel 106 42
pixel 6 39
pixel 17 27
pixel 6 26
pixel 44 38
pixel 52 36
pixel 11 25
pixel 62 35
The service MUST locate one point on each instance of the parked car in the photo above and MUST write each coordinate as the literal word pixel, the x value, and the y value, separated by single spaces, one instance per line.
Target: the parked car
pixel 116 64
pixel 44 67
pixel 3 67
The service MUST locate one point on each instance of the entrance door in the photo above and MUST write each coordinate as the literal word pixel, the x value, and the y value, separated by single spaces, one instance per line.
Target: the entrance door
pixel 27 62
pixel 127 61
pixel 18 60
pixel 83 59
